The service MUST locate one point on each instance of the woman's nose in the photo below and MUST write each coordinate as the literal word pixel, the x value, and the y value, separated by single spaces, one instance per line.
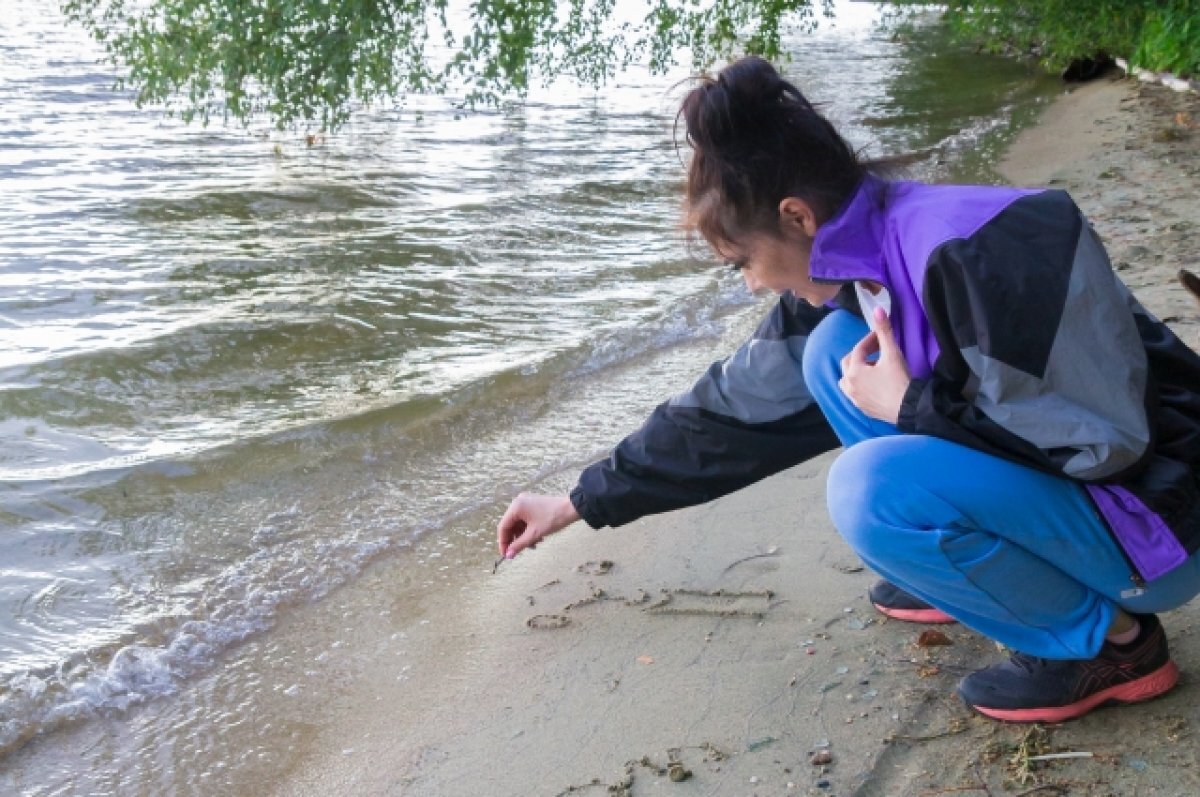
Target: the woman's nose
pixel 752 284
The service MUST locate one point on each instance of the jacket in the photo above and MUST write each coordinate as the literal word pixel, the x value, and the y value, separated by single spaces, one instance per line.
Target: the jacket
pixel 1020 340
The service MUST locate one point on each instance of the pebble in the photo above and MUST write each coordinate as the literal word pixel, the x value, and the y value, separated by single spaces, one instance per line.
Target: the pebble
pixel 677 773
pixel 822 784
pixel 821 757
pixel 754 778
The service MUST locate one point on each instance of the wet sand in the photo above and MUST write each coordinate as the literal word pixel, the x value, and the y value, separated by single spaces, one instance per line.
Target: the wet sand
pixel 729 649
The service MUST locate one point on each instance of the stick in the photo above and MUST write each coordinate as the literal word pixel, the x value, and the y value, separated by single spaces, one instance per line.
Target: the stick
pixel 772 552
pixel 1058 787
pixel 949 732
pixel 982 780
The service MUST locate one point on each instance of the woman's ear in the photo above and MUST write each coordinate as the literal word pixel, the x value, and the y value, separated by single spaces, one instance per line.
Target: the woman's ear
pixel 797 215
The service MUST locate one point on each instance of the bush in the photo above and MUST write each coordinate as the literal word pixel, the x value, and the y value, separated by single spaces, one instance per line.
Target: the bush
pixel 1170 39
pixel 1154 34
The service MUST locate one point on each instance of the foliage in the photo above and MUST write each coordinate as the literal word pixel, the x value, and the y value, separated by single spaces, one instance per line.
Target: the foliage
pixel 1170 39
pixel 1156 34
pixel 306 62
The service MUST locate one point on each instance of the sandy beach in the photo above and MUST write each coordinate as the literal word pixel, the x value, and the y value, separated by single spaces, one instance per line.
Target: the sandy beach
pixel 729 649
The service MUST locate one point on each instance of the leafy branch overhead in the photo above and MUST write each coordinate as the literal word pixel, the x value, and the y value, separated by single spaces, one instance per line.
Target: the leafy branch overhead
pixel 308 62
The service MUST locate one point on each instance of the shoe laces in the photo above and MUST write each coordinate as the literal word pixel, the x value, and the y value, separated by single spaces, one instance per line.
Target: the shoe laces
pixel 1029 663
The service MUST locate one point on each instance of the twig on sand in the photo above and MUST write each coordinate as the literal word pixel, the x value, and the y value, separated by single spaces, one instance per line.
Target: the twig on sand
pixel 983 787
pixel 956 727
pixel 930 661
pixel 1061 788
pixel 772 551
pixel 982 780
pixel 1055 756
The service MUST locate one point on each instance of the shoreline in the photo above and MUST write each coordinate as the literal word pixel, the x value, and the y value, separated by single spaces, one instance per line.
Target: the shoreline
pixel 559 680
pixel 432 674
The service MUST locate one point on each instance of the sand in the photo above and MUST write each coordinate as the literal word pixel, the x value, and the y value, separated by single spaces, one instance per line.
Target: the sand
pixel 734 640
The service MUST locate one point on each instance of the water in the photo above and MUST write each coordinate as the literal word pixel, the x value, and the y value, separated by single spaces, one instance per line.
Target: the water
pixel 236 369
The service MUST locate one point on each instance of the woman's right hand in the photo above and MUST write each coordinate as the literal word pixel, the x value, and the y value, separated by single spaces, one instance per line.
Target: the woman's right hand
pixel 530 519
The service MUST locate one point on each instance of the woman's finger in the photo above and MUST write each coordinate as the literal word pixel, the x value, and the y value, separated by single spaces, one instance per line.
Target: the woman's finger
pixel 510 526
pixel 529 539
pixel 864 348
pixel 883 331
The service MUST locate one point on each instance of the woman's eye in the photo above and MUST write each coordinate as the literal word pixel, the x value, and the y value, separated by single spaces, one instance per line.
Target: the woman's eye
pixel 736 265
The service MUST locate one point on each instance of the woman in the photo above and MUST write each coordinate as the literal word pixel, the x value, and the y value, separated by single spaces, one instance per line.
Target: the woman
pixel 1022 437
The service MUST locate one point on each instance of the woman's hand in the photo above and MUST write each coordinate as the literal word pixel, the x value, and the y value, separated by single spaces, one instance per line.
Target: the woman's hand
pixel 530 519
pixel 877 388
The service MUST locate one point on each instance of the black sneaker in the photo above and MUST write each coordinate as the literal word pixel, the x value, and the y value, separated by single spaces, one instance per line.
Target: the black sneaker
pixel 898 604
pixel 1028 689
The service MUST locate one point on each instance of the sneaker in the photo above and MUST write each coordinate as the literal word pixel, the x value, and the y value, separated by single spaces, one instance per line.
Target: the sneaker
pixel 898 604
pixel 1028 689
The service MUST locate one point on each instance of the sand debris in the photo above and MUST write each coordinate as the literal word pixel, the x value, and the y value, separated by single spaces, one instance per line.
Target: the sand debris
pixel 1020 764
pixel 932 638
pixel 674 770
pixel 677 773
pixel 599 568
pixel 548 622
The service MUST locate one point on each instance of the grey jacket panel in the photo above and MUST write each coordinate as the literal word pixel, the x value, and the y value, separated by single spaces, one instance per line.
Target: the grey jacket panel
pixel 759 383
pixel 1087 404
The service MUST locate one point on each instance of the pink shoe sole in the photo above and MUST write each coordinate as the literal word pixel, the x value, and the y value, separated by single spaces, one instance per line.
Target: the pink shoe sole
pixel 929 615
pixel 1148 686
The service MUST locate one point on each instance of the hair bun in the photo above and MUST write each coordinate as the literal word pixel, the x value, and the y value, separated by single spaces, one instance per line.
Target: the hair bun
pixel 746 99
pixel 751 82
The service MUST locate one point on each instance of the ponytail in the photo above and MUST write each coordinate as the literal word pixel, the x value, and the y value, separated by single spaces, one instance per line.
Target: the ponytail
pixel 755 140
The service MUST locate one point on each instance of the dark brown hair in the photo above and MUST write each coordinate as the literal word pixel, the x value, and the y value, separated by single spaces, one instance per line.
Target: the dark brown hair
pixel 756 140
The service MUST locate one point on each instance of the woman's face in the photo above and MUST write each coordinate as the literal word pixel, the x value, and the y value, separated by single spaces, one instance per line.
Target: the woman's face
pixel 778 263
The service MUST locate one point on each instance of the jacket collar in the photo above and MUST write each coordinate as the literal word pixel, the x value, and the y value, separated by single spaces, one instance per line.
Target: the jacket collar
pixel 850 245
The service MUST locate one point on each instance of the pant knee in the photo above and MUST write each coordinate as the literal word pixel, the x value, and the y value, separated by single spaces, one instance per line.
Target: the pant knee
pixel 858 487
pixel 875 493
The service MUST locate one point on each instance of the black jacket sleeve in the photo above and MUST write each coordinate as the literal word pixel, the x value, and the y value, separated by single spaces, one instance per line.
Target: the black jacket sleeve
pixel 748 417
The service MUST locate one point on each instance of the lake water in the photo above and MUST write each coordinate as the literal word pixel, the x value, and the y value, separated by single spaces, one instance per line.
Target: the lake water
pixel 236 369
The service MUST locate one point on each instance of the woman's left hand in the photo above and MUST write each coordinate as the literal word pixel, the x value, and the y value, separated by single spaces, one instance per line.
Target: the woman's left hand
pixel 877 388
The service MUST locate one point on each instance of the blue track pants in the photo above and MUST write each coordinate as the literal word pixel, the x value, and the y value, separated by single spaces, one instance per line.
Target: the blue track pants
pixel 1018 555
